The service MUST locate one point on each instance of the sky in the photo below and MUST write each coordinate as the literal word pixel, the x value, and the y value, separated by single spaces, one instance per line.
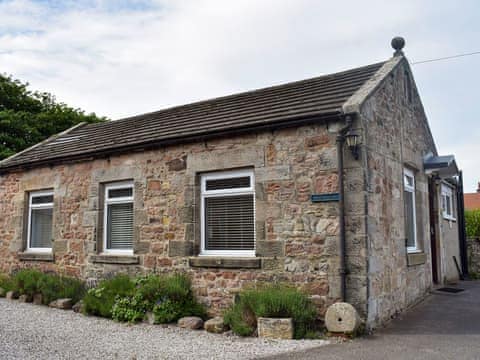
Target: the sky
pixel 122 58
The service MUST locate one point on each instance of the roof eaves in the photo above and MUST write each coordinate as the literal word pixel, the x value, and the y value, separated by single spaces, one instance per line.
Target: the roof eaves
pixel 354 103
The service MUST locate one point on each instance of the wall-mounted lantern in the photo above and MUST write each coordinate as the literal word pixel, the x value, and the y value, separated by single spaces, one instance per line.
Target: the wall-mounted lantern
pixel 353 140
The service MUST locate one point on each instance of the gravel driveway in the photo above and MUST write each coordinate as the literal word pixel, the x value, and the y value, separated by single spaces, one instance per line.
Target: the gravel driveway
pixel 37 332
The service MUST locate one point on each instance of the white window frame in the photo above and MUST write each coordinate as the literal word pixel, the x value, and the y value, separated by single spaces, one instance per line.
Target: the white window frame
pixel 118 200
pixel 222 193
pixel 407 173
pixel 32 206
pixel 447 196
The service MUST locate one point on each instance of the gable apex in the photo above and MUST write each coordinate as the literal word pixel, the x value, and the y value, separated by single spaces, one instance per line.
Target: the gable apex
pixel 355 102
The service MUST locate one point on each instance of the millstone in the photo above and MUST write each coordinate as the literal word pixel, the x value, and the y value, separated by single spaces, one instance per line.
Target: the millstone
pixel 342 318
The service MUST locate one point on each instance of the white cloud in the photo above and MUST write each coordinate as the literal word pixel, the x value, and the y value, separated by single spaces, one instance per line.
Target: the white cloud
pixel 124 58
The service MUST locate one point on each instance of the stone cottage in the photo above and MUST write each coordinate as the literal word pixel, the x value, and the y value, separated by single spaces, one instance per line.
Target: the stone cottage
pixel 333 184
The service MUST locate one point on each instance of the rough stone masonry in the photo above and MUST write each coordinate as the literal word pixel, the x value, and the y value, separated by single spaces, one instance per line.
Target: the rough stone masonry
pixel 296 240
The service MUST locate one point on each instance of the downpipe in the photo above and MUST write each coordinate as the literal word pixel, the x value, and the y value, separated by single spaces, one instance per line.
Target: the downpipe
pixel 341 191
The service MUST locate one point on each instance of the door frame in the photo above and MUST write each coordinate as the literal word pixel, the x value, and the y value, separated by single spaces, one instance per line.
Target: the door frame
pixel 433 202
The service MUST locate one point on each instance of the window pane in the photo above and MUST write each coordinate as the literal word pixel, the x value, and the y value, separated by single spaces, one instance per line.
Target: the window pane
pixel 41 228
pixel 410 219
pixel 449 205
pixel 229 223
pixel 408 181
pixel 116 193
pixel 42 199
pixel 120 226
pixel 232 183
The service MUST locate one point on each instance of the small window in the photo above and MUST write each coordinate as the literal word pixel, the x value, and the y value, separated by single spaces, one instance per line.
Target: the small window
pixel 40 215
pixel 118 218
pixel 410 211
pixel 448 204
pixel 228 213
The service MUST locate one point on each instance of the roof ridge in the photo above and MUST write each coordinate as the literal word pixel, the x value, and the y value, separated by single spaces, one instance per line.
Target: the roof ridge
pixel 301 101
pixel 245 92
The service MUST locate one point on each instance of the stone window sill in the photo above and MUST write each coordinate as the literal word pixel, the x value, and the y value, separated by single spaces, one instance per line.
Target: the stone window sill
pixel 416 258
pixel 31 256
pixel 115 259
pixel 225 262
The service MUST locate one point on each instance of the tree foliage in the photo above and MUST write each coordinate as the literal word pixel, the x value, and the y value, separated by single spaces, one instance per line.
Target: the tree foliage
pixel 472 223
pixel 27 117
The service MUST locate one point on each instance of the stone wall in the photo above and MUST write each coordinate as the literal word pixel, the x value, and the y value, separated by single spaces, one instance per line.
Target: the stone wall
pixel 297 240
pixel 450 247
pixel 473 245
pixel 396 135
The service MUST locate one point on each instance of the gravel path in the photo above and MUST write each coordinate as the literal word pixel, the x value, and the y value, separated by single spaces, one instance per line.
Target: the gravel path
pixel 37 332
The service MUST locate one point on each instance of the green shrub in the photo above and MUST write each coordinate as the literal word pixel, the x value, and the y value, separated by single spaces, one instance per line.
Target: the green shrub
pixel 100 300
pixel 129 309
pixel 167 311
pixel 472 223
pixel 6 283
pixel 192 307
pixel 177 287
pixel 27 281
pixel 241 319
pixel 276 301
pixel 53 287
pixel 169 297
pixel 150 288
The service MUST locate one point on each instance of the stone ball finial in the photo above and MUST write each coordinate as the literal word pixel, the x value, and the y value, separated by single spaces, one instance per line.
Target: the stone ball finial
pixel 398 43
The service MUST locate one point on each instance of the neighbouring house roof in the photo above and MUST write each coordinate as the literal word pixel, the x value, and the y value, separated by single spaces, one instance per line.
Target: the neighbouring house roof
pixel 316 98
pixel 472 201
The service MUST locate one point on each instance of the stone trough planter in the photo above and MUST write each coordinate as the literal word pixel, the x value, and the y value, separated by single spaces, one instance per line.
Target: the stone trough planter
pixel 275 328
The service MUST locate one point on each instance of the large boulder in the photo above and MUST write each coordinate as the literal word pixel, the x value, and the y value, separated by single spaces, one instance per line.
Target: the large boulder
pixel 215 325
pixel 64 304
pixel 38 299
pixel 12 295
pixel 275 328
pixel 191 322
pixel 342 318
pixel 149 318
pixel 25 298
pixel 78 307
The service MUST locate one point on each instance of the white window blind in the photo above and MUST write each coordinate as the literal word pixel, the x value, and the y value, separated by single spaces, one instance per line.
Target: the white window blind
pixel 228 213
pixel 410 210
pixel 40 221
pixel 118 222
